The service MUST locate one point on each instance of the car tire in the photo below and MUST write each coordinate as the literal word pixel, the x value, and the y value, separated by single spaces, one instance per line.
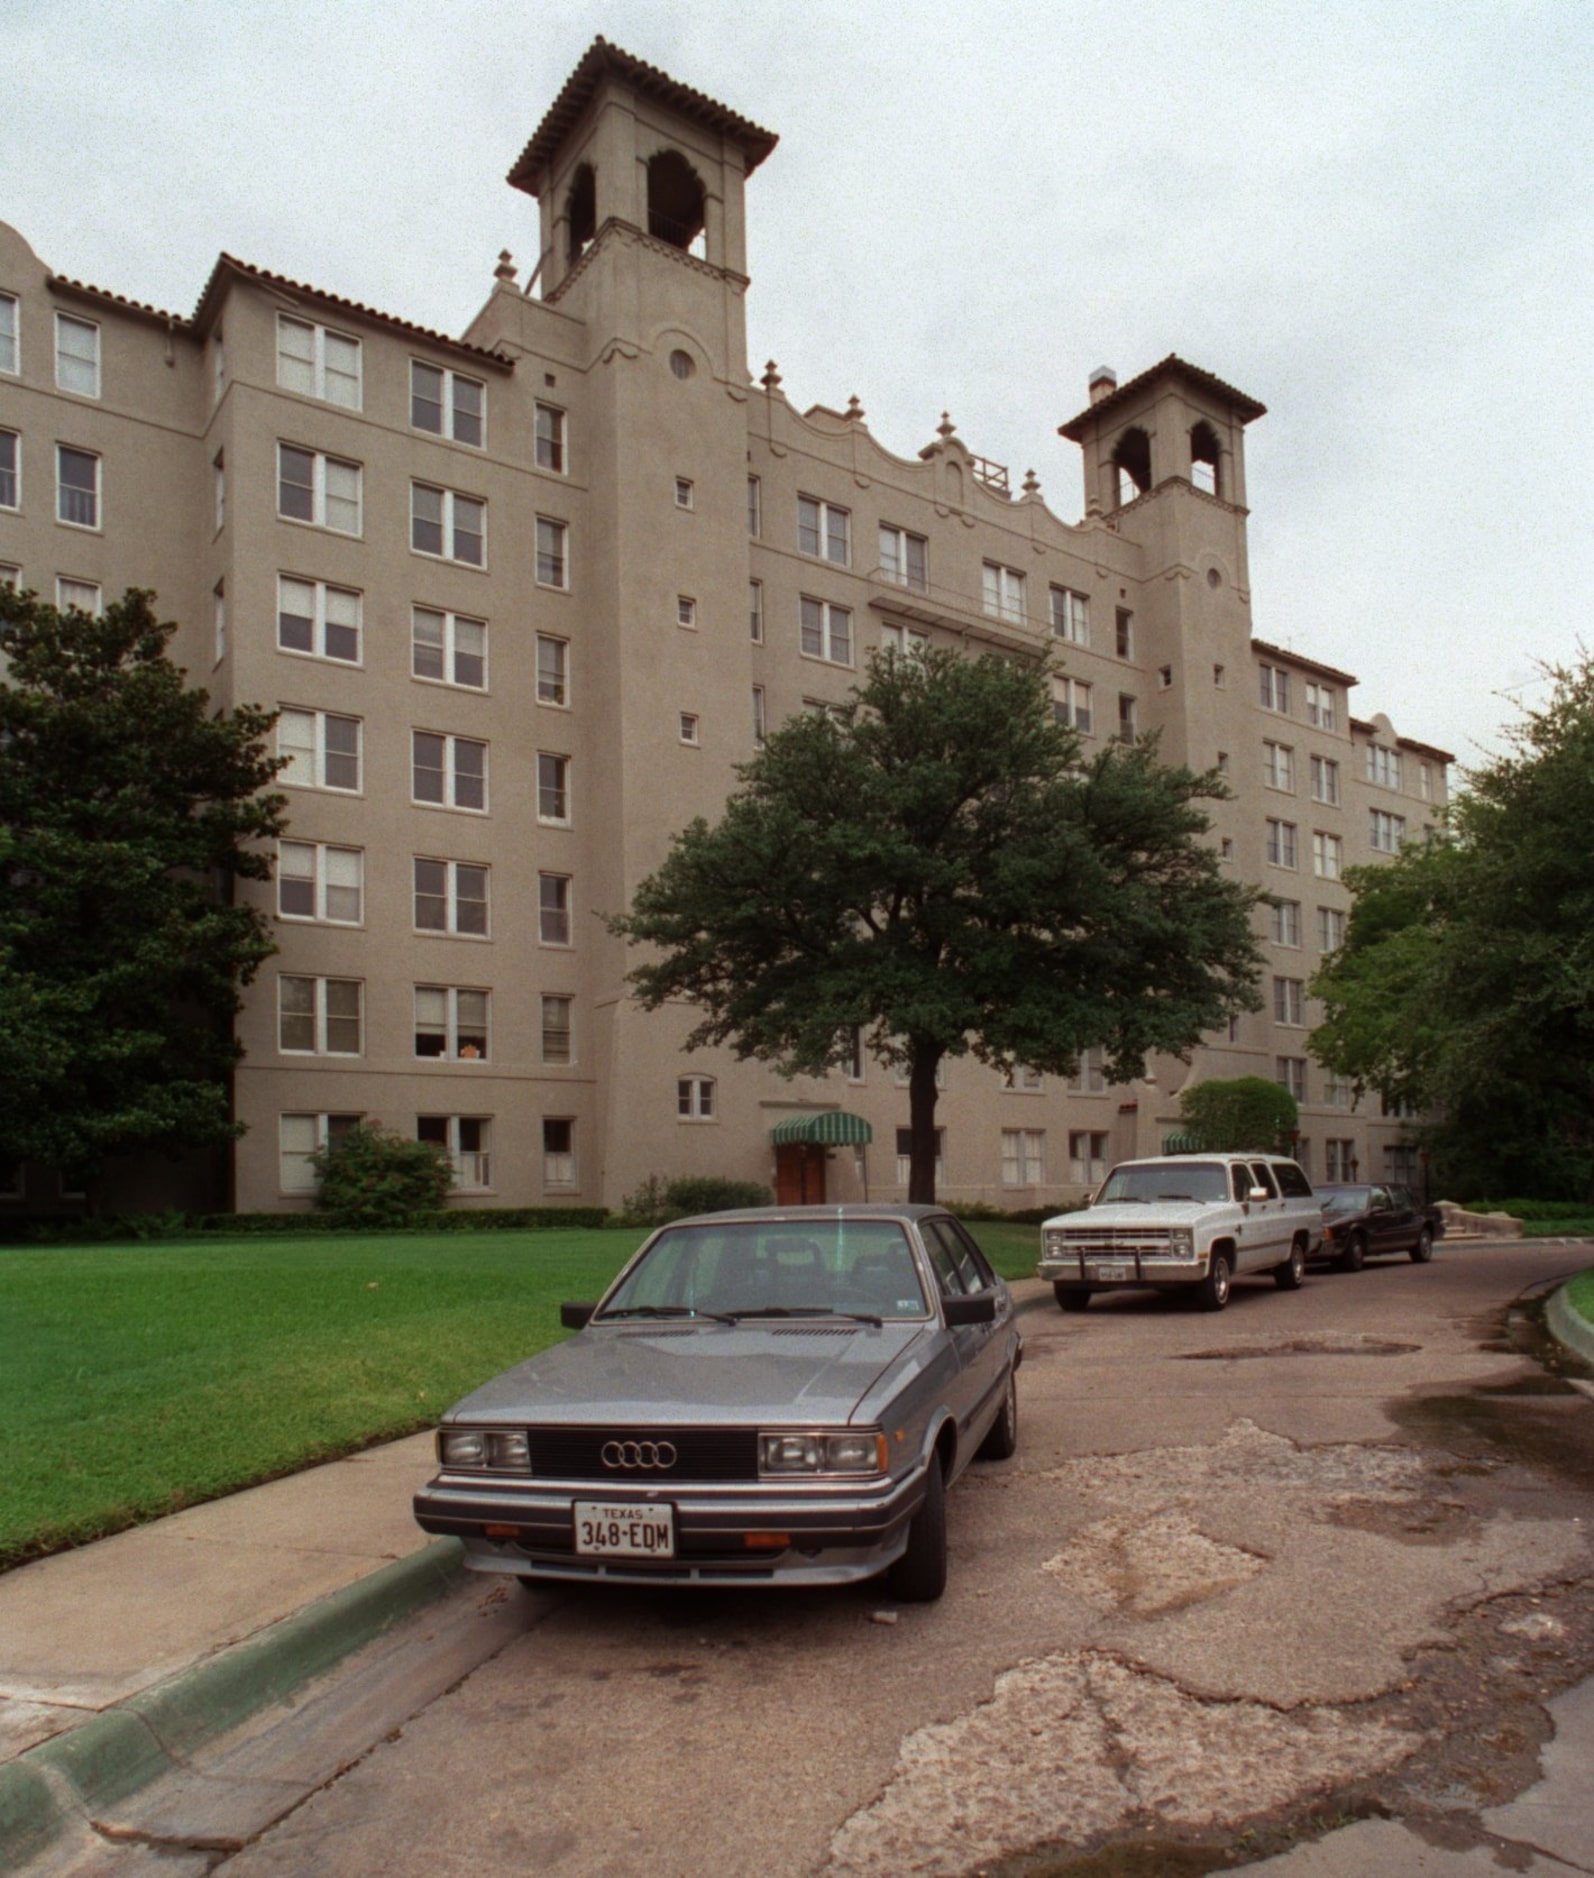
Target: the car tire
pixel 1422 1251
pixel 1354 1256
pixel 1072 1297
pixel 1213 1291
pixel 919 1576
pixel 1292 1273
pixel 1001 1440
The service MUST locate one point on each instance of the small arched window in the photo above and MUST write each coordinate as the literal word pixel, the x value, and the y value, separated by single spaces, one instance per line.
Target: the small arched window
pixel 694 1098
pixel 1132 460
pixel 675 199
pixel 581 210
pixel 1206 459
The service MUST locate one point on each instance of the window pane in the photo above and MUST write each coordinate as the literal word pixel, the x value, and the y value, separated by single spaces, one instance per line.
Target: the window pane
pixel 470 895
pixel 813 628
pixel 296 880
pixel 469 402
pixel 296 615
pixel 551 661
pixel 428 753
pixel 296 356
pixel 343 624
pixel 841 634
pixel 343 753
pixel 426 643
pixel 296 1013
pixel 426 397
pixel 470 775
pixel 343 1016
pixel 431 1021
pixel 296 741
pixel 295 483
pixel 470 652
pixel 553 893
pixel 556 1029
pixel 470 530
pixel 345 880
pixel 79 487
pixel 431 896
pixel 426 519
pixel 342 370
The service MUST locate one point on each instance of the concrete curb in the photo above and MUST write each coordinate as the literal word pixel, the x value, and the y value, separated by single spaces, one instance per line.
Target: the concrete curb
pixel 1569 1326
pixel 66 1780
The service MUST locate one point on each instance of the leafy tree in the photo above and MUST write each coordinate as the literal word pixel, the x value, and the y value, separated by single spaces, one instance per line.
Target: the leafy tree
pixel 1239 1112
pixel 124 806
pixel 370 1177
pixel 1466 981
pixel 942 866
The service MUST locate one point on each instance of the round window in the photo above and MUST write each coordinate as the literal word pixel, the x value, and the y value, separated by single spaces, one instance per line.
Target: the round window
pixel 682 363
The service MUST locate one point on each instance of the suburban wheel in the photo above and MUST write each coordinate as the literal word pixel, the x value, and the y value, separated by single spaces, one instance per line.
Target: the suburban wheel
pixel 1213 1291
pixel 1422 1251
pixel 1289 1275
pixel 1073 1297
pixel 1354 1255
pixel 919 1576
pixel 1002 1438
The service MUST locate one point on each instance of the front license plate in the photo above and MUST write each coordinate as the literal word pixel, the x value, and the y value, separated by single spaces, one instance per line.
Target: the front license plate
pixel 614 1529
pixel 1110 1272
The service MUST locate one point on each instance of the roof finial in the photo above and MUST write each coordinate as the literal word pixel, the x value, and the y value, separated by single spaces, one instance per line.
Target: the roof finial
pixel 771 378
pixel 854 409
pixel 946 430
pixel 506 269
pixel 1032 483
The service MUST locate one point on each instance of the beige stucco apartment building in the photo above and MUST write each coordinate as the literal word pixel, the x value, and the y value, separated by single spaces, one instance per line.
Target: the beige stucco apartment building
pixel 525 598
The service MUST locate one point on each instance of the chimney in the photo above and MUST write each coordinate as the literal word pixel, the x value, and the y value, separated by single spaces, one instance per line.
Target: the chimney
pixel 1103 383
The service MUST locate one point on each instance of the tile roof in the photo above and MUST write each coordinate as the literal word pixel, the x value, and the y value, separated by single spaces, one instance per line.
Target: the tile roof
pixel 1246 408
pixel 1310 665
pixel 90 292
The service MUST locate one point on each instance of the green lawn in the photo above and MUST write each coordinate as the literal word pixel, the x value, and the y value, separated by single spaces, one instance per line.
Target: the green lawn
pixel 136 1379
pixel 1581 1293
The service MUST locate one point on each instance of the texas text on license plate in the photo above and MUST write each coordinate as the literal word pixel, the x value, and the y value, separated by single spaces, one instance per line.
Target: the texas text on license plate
pixel 614 1529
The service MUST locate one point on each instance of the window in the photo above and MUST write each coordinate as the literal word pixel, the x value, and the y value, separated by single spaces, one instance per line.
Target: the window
pixel 1126 717
pixel 1002 591
pixel 317 619
pixel 755 506
pixel 1223 762
pixel 826 631
pixel 451 897
pixel 558 1151
pixel 1165 676
pixel 1124 633
pixel 852 1068
pixel 467 1141
pixel 1226 849
pixel 760 717
pixel 1320 709
pixel 1338 1092
pixel 1397 1108
pixel 552 671
pixel 298 1138
pixel 10 334
pixel 904 558
pixel 1071 704
pixel 1325 780
pixel 686 611
pixel 1327 856
pixel 553 909
pixel 557 1033
pixel 442 522
pixel 694 1098
pixel 81 596
pixel 218 471
pixel 1280 843
pixel 903 640
pixel 1388 831
pixel 1070 616
pixel 1275 685
pixel 318 363
pixel 1289 1001
pixel 321 883
pixel 1023 1079
pixel 219 598
pixel 755 611
pixel 1087 1156
pixel 1330 928
pixel 824 530
pixel 1401 1166
pixel 1290 1073
pixel 1278 767
pixel 1425 781
pixel 318 1016
pixel 10 576
pixel 553 567
pixel 77 355
pixel 10 470
pixel 685 493
pixel 550 439
pixel 688 728
pixel 553 788
pixel 1383 766
pixel 448 648
pixel 819 707
pixel 323 751
pixel 1285 922
pixel 321 490
pixel 905 1155
pixel 1091 1076
pixel 77 487
pixel 1023 1157
pixel 448 771
pixel 1339 1159
pixel 449 405
pixel 451 1022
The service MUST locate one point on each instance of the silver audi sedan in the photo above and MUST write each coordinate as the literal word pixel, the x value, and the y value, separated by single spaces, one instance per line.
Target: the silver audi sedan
pixel 781 1396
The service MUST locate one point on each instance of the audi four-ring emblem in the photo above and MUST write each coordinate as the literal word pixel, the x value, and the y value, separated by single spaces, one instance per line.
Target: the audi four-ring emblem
pixel 638 1454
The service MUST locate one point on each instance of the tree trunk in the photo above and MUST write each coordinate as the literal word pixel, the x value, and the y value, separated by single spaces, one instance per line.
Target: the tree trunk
pixel 922 1093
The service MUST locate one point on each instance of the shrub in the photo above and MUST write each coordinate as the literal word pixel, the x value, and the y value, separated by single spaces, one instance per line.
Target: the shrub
pixel 372 1178
pixel 1239 1113
pixel 657 1201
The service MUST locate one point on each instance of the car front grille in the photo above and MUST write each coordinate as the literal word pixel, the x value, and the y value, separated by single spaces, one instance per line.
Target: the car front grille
pixel 1109 1242
pixel 700 1454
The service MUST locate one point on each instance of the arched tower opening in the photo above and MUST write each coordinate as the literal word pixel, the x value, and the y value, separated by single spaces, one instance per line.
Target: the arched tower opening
pixel 1206 459
pixel 1132 463
pixel 675 200
pixel 581 210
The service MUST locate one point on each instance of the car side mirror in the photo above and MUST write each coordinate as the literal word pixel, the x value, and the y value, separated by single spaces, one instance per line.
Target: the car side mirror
pixel 576 1316
pixel 978 1309
pixel 1259 1193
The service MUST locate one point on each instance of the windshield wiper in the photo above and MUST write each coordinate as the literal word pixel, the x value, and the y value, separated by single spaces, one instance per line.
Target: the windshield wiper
pixel 805 1310
pixel 664 1310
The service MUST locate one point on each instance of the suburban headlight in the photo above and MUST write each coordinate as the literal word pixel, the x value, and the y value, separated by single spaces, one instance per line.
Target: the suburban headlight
pixel 815 1452
pixel 499 1450
pixel 1181 1242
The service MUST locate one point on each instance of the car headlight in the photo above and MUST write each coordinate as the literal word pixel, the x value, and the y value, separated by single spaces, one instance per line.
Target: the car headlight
pixel 816 1452
pixel 495 1450
pixel 1181 1242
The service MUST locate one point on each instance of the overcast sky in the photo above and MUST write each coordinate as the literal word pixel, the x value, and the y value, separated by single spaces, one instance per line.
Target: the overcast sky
pixel 1375 218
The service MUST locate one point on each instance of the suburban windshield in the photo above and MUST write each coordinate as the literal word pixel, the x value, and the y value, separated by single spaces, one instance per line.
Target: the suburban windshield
pixel 774 1268
pixel 1166 1180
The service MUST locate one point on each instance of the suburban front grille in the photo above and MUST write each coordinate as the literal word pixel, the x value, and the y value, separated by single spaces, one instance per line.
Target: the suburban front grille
pixel 1109 1242
pixel 701 1454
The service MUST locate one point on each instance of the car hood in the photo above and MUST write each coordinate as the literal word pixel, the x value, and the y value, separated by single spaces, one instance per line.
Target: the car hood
pixel 721 1374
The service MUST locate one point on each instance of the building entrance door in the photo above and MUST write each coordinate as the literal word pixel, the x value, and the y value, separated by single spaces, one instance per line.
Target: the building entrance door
pixel 799 1174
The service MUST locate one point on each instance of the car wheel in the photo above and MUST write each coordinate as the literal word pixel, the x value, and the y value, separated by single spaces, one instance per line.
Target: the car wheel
pixel 1073 1297
pixel 1355 1254
pixel 1002 1439
pixel 1422 1251
pixel 1289 1275
pixel 1213 1291
pixel 919 1576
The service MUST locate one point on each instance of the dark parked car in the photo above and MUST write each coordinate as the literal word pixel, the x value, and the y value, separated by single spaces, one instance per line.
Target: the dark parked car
pixel 1363 1222
pixel 775 1396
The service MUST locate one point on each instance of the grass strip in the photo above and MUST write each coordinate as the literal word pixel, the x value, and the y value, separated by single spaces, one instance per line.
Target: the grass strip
pixel 1580 1295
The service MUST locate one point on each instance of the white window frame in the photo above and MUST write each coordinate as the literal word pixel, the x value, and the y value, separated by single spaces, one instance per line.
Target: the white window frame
pixel 1386 831
pixel 755 611
pixel 11 473
pixel 454 626
pixel 695 1099
pixel 760 716
pixel 1002 591
pixel 1339 1158
pixel 1289 1072
pixel 551 445
pixel 824 630
pixel 458 1034
pixel 10 335
pixel 219 614
pixel 345 389
pixel 64 489
pixel 322 625
pixel 1328 855
pixel 1275 688
pixel 559 1165
pixel 1071 705
pixel 555 926
pixel 452 508
pixel 84 366
pixel 905 1157
pixel 1128 717
pixel 553 787
pixel 555 673
pixel 1325 781
pixel 1339 1092
pixel 1070 611
pixel 1091 1076
pixel 1023 1157
pixel 1278 767
pixel 1022 1080
pixel 321 1131
pixel 550 1028
pixel 316 750
pixel 685 493
pixel 218 467
pixel 897 557
pixel 1383 766
pixel 1321 705
pixel 553 553
pixel 322 886
pixel 450 897
pixel 1282 847
pixel 904 641
pixel 824 531
pixel 1330 928
pixel 321 495
pixel 1124 632
pixel 87 596
pixel 456 782
pixel 321 1017
pixel 755 507
pixel 1087 1155
pixel 1289 1002
pixel 1284 923
pixel 689 727
pixel 473 1167
pixel 686 611
pixel 453 422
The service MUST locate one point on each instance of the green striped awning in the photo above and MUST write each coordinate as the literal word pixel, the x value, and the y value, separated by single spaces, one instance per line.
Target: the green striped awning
pixel 833 1129
pixel 1181 1144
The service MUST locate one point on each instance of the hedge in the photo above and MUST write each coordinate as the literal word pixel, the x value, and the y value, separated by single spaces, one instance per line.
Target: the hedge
pixel 62 1229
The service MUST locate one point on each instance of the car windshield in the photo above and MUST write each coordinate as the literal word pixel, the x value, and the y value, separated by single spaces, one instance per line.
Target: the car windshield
pixel 774 1268
pixel 1166 1180
pixel 1345 1199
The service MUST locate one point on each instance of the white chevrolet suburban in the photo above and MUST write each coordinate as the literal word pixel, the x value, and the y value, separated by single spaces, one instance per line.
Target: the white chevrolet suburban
pixel 1185 1222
